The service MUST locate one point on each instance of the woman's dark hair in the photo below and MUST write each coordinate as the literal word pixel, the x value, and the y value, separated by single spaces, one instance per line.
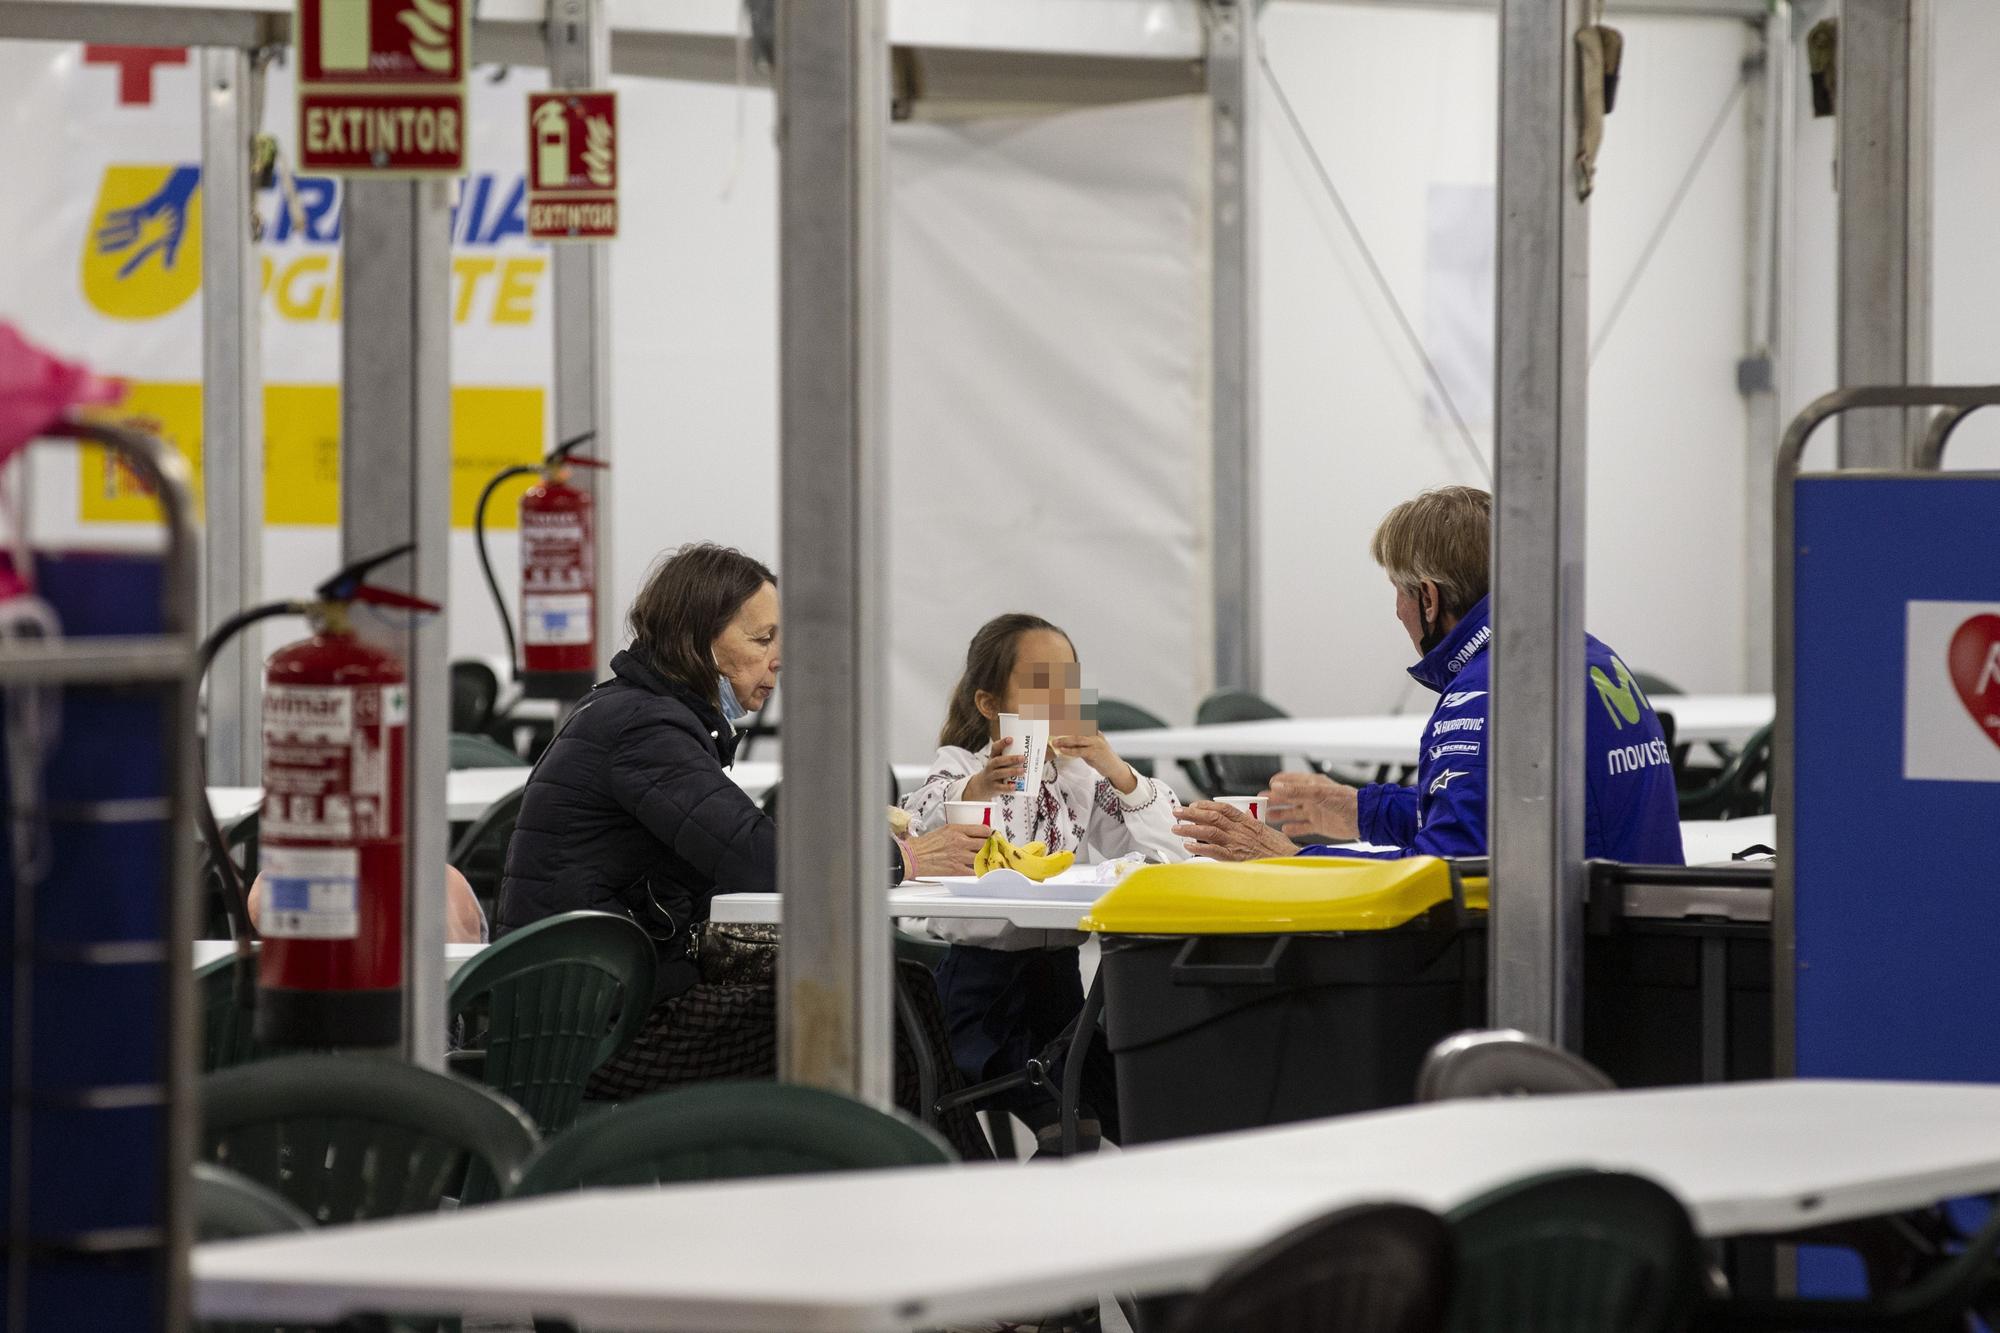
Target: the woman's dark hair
pixel 989 664
pixel 690 598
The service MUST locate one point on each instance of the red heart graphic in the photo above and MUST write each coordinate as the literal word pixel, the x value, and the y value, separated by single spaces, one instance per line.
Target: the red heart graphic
pixel 1975 668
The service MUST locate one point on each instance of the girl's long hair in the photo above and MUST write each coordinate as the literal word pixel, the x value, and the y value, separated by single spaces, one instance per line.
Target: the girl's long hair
pixel 989 665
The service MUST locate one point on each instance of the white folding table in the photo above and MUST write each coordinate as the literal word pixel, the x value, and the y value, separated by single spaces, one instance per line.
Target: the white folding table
pixel 898 1250
pixel 455 955
pixel 921 900
pixel 1395 738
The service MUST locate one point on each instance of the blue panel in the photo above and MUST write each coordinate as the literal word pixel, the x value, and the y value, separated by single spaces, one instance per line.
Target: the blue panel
pixel 1896 896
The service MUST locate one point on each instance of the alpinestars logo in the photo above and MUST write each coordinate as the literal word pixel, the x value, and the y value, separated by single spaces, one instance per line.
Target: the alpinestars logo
pixel 1458 698
pixel 1443 780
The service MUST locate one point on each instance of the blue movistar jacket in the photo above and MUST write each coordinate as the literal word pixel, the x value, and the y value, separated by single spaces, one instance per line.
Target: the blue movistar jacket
pixel 1632 813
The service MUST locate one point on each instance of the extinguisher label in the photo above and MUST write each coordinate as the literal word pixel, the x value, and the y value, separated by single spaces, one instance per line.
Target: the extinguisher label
pixel 557 618
pixel 328 750
pixel 312 893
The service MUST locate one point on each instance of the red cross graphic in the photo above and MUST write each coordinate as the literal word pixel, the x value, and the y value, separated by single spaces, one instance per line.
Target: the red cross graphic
pixel 135 68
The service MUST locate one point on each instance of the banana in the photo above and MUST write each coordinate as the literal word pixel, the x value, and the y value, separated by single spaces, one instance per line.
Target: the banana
pixel 1032 861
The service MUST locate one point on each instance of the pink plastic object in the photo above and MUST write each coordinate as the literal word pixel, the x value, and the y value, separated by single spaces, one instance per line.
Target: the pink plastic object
pixel 38 390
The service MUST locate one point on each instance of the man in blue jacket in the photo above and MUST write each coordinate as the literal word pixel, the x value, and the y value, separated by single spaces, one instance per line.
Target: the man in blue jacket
pixel 1435 551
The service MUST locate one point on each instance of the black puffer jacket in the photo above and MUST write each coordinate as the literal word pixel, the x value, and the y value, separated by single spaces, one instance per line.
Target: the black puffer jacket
pixel 630 810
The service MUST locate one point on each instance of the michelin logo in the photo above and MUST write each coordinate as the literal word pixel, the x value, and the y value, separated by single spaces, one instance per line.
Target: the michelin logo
pixel 1455 747
pixel 1459 724
pixel 1459 698
pixel 1632 758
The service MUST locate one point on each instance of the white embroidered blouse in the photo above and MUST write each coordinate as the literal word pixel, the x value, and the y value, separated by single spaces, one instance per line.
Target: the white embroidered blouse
pixel 1074 809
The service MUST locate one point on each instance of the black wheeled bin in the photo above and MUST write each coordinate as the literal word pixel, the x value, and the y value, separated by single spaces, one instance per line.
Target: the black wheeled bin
pixel 1245 995
pixel 1677 974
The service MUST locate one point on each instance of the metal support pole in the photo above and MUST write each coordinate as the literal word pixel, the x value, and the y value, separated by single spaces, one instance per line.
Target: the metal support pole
pixel 395 487
pixel 1885 228
pixel 579 41
pixel 232 415
pixel 1536 813
pixel 1232 87
pixel 1761 374
pixel 833 103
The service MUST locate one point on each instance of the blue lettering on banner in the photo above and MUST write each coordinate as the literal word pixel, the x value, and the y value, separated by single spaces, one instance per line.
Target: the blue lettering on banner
pixel 475 221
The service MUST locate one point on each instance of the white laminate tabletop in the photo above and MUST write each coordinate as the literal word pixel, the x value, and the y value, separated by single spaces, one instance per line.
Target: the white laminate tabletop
pixel 920 900
pixel 1395 738
pixel 887 1250
pixel 455 955
pixel 1709 840
pixel 469 791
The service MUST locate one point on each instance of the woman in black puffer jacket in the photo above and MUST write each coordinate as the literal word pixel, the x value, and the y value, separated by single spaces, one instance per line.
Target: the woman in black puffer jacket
pixel 630 810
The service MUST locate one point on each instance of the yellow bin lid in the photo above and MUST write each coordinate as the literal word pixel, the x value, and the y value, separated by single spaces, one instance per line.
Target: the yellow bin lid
pixel 1289 895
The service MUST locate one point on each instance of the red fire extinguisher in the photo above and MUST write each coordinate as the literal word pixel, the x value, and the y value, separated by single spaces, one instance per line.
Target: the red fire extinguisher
pixel 557 654
pixel 330 972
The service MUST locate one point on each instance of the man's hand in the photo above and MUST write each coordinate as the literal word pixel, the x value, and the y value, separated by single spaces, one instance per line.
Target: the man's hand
pixel 1309 803
pixel 1225 833
pixel 946 851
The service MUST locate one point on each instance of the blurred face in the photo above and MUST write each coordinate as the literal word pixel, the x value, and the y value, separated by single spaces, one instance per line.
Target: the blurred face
pixel 1046 684
pixel 746 652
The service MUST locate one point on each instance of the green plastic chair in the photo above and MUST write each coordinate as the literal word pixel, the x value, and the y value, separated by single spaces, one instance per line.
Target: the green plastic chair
pixel 550 1003
pixel 240 839
pixel 1742 789
pixel 346 1138
pixel 228 1037
pixel 1248 774
pixel 480 854
pixel 471 750
pixel 1376 1268
pixel 728 1131
pixel 1576 1252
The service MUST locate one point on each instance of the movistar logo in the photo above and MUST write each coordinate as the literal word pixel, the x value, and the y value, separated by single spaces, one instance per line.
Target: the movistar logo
pixel 1458 697
pixel 1624 701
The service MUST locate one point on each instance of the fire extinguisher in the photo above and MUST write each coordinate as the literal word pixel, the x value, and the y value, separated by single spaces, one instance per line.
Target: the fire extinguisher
pixel 330 972
pixel 556 657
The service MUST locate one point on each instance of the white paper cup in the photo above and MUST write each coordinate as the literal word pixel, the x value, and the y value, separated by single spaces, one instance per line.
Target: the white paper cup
pixel 971 812
pixel 1031 738
pixel 1249 805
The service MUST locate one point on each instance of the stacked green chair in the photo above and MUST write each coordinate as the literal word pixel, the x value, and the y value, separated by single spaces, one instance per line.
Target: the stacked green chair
pixel 472 750
pixel 728 1131
pixel 226 1026
pixel 1376 1268
pixel 1576 1252
pixel 1743 788
pixel 548 1004
pixel 480 854
pixel 228 1206
pixel 347 1138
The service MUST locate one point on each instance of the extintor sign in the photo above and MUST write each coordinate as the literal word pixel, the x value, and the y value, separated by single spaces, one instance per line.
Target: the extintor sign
pixel 382 86
pixel 573 165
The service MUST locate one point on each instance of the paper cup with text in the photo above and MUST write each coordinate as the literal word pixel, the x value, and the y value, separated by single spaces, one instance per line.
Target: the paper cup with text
pixel 981 813
pixel 1249 805
pixel 1031 738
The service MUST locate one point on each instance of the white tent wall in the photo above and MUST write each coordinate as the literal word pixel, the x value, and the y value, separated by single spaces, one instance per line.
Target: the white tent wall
pixel 1048 402
pixel 1401 105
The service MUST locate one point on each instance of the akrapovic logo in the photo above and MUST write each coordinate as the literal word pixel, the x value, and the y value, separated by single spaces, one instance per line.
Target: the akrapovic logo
pixel 1451 724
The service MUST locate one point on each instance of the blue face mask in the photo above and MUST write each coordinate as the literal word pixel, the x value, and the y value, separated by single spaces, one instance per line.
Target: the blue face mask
pixel 732 710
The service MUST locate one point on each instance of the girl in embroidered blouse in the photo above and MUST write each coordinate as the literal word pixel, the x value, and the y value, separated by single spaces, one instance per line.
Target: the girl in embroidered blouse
pixel 1008 992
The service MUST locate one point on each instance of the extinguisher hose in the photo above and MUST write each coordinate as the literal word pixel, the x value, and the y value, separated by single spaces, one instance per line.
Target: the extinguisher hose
pixel 235 893
pixel 500 479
